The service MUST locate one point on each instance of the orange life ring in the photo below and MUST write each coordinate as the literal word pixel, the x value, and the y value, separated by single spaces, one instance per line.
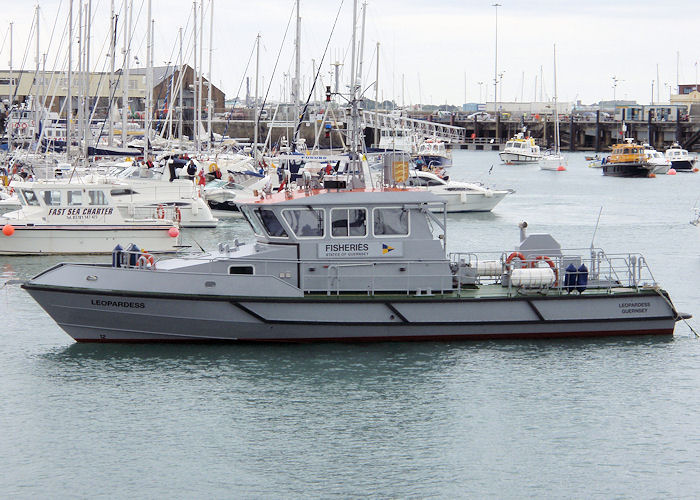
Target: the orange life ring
pixel 24 125
pixel 551 264
pixel 16 125
pixel 516 255
pixel 178 214
pixel 160 211
pixel 146 261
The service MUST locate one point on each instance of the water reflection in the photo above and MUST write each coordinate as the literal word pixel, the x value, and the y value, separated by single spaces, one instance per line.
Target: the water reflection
pixel 330 361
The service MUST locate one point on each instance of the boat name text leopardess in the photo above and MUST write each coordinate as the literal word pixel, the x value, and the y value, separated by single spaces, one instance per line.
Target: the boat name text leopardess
pixel 115 303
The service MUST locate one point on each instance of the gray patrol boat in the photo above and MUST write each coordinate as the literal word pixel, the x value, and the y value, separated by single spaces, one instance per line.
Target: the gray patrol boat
pixel 359 264
pixel 336 258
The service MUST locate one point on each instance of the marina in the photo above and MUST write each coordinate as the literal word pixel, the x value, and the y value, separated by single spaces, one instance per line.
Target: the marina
pixel 350 398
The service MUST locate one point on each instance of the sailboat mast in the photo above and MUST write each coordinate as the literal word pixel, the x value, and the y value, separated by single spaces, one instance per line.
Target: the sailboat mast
pixel 81 78
pixel 149 83
pixel 125 73
pixel 181 80
pixel 69 78
pixel 112 49
pixel 354 113
pixel 87 133
pixel 297 77
pixel 556 109
pixel 195 131
pixel 376 103
pixel 40 79
pixel 257 112
pixel 209 92
pixel 200 73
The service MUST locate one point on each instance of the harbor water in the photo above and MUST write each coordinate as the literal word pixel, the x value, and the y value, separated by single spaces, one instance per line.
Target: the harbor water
pixel 586 418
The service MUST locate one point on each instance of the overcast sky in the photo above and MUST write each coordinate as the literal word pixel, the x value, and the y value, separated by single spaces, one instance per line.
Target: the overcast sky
pixel 430 44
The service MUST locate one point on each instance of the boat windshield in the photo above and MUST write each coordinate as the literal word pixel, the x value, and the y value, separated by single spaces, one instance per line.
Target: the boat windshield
pixel 253 221
pixel 30 197
pixel 271 223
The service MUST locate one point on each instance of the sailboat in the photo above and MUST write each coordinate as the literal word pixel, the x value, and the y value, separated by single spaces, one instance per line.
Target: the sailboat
pixel 554 160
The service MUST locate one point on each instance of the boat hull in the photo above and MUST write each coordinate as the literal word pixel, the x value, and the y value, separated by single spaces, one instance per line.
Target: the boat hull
pixel 99 316
pixel 435 160
pixel 625 170
pixel 683 165
pixel 43 240
pixel 518 158
pixel 470 202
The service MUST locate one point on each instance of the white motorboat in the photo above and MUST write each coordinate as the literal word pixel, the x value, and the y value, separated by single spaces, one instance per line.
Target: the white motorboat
pixel 458 196
pixel 9 201
pixel 222 196
pixel 150 187
pixel 658 163
pixel 79 217
pixel 681 160
pixel 520 149
pixel 433 152
pixel 397 139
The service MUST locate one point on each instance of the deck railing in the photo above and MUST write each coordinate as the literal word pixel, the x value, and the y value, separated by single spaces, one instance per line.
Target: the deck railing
pixel 601 271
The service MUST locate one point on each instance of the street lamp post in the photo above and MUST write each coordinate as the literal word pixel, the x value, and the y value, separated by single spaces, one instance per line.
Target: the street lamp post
pixel 481 84
pixel 495 73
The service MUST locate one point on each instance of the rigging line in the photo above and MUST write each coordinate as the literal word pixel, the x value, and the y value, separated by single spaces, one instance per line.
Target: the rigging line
pixel 53 30
pixel 7 32
pixel 24 58
pixel 269 85
pixel 318 72
pixel 51 84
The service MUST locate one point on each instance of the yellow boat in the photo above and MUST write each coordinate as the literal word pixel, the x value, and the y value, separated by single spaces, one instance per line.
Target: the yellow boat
pixel 627 160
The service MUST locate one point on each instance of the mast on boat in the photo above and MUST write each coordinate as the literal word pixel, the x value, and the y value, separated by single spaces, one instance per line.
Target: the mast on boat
pixel 257 112
pixel 200 72
pixel 557 146
pixel 209 101
pixel 112 50
pixel 125 73
pixel 69 78
pixel 195 132
pixel 297 77
pixel 35 101
pixel 149 83
pixel 182 84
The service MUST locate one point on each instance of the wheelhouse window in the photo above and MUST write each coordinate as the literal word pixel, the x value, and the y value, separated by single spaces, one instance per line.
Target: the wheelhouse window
pixel 391 221
pixel 272 224
pixel 97 198
pixel 349 222
pixel 51 198
pixel 30 196
pixel 74 198
pixel 305 222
